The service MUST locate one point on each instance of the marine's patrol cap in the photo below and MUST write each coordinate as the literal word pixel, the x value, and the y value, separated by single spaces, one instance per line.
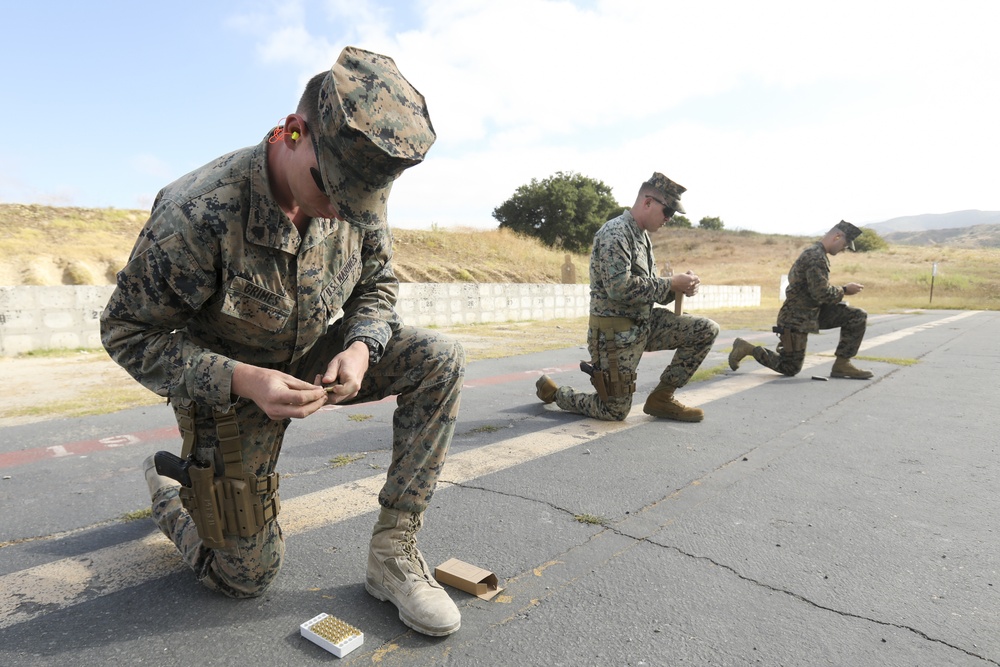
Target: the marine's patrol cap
pixel 671 191
pixel 373 125
pixel 850 232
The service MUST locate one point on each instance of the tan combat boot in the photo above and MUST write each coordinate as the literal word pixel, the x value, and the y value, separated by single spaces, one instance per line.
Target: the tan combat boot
pixel 741 348
pixel 398 573
pixel 154 480
pixel 546 388
pixel 843 368
pixel 661 403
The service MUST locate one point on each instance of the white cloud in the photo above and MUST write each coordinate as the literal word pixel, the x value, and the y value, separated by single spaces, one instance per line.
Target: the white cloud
pixel 809 112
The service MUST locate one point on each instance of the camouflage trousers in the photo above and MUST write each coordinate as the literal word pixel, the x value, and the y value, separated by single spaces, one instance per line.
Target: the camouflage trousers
pixel 788 357
pixel 423 369
pixel 690 336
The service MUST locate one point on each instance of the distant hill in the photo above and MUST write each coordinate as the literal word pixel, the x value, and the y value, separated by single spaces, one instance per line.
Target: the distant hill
pixel 929 221
pixel 977 236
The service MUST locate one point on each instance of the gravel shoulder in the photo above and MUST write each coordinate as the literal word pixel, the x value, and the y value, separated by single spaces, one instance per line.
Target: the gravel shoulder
pixel 78 383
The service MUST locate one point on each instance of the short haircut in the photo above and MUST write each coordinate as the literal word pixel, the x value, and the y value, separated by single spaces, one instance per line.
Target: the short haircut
pixel 309 102
pixel 648 189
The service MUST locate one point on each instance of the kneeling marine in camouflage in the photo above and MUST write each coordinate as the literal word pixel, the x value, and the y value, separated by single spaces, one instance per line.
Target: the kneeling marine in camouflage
pixel 811 304
pixel 227 306
pixel 624 323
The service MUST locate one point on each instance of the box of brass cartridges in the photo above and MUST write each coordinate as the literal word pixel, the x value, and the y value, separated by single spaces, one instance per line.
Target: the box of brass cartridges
pixel 333 634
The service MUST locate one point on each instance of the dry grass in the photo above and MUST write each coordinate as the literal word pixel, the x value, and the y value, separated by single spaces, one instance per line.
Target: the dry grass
pixel 66 383
pixel 45 245
pixel 50 246
pixel 480 256
pixel 896 278
pixel 493 341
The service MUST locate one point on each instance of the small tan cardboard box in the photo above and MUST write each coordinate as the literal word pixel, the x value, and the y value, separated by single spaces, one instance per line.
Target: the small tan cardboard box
pixel 469 578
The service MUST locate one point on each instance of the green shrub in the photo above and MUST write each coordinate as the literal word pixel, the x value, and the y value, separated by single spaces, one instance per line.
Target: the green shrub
pixel 869 241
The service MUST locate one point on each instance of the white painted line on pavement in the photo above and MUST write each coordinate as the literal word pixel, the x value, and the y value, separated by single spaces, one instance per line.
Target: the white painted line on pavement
pixel 700 395
pixel 30 593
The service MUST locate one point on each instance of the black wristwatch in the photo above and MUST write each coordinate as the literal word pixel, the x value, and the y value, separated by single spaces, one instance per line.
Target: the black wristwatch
pixel 374 349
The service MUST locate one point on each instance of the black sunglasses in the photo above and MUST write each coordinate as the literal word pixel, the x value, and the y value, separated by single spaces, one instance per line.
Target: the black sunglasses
pixel 317 177
pixel 668 211
pixel 319 180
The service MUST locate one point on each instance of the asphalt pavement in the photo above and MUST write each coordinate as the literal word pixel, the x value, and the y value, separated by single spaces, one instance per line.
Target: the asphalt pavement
pixel 804 522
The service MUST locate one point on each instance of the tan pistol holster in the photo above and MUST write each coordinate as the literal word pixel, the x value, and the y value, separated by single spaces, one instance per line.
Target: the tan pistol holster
pixel 612 382
pixel 234 504
pixel 790 342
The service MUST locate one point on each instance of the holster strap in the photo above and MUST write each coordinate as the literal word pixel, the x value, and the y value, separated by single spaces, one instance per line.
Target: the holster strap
pixel 185 424
pixel 615 382
pixel 230 442
pixel 235 503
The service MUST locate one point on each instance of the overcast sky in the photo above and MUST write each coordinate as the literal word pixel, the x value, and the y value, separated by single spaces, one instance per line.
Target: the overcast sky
pixel 777 116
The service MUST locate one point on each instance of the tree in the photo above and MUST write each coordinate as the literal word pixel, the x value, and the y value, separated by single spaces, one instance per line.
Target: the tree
pixel 679 220
pixel 869 241
pixel 711 223
pixel 563 210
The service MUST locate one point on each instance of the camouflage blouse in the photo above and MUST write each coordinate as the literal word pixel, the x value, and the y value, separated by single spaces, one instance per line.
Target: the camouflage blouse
pixel 808 290
pixel 219 275
pixel 623 280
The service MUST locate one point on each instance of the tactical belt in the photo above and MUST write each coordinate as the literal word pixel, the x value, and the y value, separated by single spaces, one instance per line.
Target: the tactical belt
pixel 619 324
pixel 235 503
pixel 613 382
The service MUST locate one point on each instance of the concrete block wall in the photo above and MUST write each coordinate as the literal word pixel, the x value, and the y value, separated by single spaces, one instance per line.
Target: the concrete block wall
pixel 723 296
pixel 443 304
pixel 34 318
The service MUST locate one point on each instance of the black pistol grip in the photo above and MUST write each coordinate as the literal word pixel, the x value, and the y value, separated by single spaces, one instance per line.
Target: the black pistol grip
pixel 172 466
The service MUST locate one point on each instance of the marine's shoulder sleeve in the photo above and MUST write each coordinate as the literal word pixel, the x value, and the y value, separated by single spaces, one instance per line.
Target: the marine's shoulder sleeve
pixel 620 272
pixel 173 270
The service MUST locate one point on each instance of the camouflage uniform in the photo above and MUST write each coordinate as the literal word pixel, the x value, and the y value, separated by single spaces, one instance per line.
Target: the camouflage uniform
pixel 812 303
pixel 219 276
pixel 624 284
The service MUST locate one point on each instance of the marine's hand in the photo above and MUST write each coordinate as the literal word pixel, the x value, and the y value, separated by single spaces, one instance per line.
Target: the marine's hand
pixel 278 394
pixel 853 288
pixel 685 283
pixel 344 373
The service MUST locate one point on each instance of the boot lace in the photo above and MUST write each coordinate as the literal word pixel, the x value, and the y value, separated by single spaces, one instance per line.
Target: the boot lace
pixel 409 547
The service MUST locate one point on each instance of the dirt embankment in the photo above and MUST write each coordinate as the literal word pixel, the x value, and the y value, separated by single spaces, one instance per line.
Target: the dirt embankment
pixel 46 245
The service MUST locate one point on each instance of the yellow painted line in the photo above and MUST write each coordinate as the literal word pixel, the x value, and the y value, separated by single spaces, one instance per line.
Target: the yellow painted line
pixel 30 593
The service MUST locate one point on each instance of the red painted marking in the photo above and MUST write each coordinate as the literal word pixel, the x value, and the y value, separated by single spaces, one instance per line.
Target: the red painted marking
pixel 83 447
pixel 24 456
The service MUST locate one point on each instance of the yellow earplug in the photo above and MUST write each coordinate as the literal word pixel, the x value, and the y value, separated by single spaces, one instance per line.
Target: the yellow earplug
pixel 295 136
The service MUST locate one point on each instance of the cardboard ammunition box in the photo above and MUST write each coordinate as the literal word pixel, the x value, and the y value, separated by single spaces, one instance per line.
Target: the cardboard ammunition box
pixel 469 578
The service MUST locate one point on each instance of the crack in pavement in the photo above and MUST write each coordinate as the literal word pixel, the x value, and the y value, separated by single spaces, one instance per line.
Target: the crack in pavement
pixel 607 527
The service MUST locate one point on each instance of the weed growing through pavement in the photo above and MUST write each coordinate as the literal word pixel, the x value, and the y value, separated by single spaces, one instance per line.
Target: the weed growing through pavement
pixel 591 519
pixel 344 459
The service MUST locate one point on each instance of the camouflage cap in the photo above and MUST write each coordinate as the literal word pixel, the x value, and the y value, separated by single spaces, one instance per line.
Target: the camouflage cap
pixel 373 125
pixel 850 232
pixel 671 191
